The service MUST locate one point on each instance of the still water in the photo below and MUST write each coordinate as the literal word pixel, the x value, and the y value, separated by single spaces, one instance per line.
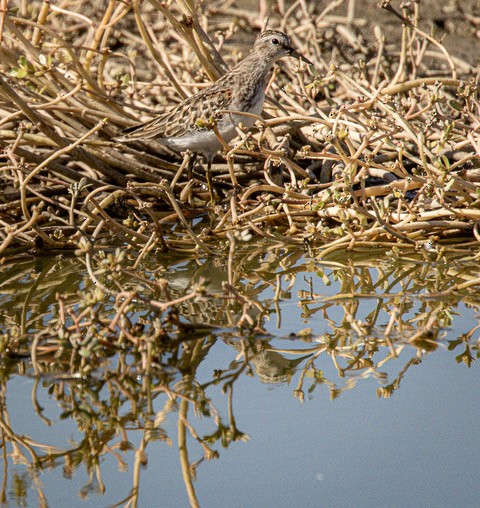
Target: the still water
pixel 352 382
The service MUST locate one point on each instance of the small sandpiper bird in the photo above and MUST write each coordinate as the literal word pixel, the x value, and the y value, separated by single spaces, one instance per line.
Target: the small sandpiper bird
pixel 241 90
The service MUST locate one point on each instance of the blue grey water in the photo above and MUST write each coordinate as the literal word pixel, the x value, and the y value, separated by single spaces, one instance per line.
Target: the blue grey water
pixel 418 448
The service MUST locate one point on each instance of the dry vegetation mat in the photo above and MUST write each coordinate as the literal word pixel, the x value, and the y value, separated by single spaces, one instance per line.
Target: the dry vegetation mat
pixel 377 145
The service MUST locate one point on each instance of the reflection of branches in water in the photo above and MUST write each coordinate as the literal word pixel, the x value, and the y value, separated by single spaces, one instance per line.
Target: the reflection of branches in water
pixel 106 410
pixel 124 361
pixel 84 327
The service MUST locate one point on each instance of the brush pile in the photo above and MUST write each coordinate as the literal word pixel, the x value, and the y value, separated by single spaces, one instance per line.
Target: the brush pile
pixel 378 145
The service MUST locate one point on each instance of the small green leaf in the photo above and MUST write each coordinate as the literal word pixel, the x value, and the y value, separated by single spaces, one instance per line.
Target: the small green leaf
pixel 455 105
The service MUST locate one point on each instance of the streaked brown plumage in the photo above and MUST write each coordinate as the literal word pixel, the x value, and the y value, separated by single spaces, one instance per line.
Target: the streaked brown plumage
pixel 242 89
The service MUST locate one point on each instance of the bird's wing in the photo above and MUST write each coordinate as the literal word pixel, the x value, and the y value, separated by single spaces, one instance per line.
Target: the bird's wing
pixel 182 119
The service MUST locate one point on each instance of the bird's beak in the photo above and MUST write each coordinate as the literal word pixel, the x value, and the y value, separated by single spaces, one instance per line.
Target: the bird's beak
pixel 296 54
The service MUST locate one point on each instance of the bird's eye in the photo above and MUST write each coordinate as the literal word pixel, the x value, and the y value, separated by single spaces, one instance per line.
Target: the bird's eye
pixel 275 42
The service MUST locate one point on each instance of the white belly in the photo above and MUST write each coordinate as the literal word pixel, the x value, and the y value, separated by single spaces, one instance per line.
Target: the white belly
pixel 196 141
pixel 206 141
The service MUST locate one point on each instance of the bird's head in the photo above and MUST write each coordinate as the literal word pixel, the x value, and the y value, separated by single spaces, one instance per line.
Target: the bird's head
pixel 274 45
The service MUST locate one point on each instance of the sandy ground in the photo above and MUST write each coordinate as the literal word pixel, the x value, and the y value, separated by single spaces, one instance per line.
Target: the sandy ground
pixel 457 21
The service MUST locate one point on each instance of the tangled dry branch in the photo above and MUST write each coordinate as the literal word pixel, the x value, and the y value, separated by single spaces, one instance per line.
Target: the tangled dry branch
pixel 378 143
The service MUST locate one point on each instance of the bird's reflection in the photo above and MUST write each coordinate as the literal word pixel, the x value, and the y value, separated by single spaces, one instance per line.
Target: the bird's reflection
pixel 270 366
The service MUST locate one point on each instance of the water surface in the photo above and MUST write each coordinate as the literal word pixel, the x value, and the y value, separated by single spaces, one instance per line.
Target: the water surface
pixel 285 381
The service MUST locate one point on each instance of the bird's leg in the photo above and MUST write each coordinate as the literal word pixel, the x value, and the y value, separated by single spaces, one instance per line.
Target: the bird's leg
pixel 209 180
pixel 190 165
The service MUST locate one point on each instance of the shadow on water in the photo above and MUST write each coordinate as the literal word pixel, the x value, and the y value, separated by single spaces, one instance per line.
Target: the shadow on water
pixel 122 354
